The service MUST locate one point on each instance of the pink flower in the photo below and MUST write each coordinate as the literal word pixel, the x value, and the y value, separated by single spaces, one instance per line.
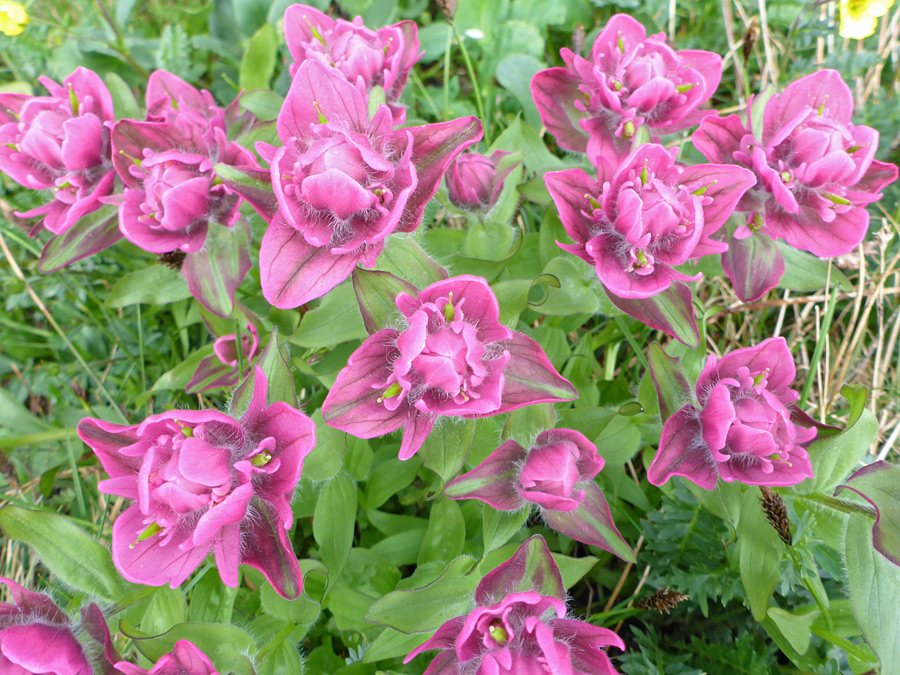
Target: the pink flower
pixel 37 638
pixel 221 369
pixel 344 183
pixel 745 427
pixel 204 482
pixel 474 182
pixel 519 626
pixel 364 57
pixel 171 99
pixel 636 223
pixel 557 475
pixel 184 659
pixel 816 170
pixel 60 143
pixel 596 105
pixel 453 358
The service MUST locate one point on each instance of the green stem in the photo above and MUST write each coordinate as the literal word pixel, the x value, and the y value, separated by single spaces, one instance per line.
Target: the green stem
pixel 279 638
pixel 817 352
pixel 140 328
pixel 479 103
pixel 414 76
pixel 39 438
pixel 620 322
pixel 841 505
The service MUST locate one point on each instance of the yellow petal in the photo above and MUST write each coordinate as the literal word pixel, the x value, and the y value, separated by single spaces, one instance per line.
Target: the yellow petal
pixel 13 17
pixel 859 18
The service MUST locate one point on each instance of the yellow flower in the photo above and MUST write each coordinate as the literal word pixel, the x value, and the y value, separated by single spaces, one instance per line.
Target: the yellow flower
pixel 860 17
pixel 13 17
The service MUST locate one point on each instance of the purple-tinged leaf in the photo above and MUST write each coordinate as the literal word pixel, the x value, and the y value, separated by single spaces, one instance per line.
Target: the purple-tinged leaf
pixel 671 311
pixel 94 232
pixel 293 272
pixel 214 272
pixel 278 379
pixel 492 481
pixel 530 377
pixel 210 374
pixel 268 550
pixel 680 453
pixel 254 185
pixel 754 265
pixel 532 568
pixel 672 386
pixel 375 292
pixel 591 523
pixel 879 484
pixel 434 147
pixel 404 257
pixel 554 91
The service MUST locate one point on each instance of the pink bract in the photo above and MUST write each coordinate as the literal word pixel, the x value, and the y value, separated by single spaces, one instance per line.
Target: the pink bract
pixel 344 182
pixel 636 223
pixel 519 626
pixel 556 474
pixel 453 358
pixel 36 637
pixel 221 369
pixel 595 105
pixel 204 482
pixel 816 170
pixel 184 659
pixel 60 143
pixel 744 429
pixel 364 57
pixel 474 181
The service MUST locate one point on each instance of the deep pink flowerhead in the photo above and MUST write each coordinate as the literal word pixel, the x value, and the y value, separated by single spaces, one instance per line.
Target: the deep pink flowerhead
pixel 344 182
pixel 816 169
pixel 596 104
pixel 364 57
pixel 37 638
pixel 203 481
pixel 171 191
pixel 743 428
pixel 636 223
pixel 184 659
pixel 474 181
pixel 452 358
pixel 222 368
pixel 60 143
pixel 171 99
pixel 519 626
pixel 556 474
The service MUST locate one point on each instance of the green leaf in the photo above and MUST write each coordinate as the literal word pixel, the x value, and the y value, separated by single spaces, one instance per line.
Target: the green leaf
pixel 404 258
pixel 258 63
pixel 335 320
pixel 301 611
pixel 446 448
pixel 794 627
pixel 805 273
pixel 226 646
pixel 69 552
pixel 422 610
pixel 446 533
pixel 166 608
pixel 392 644
pixel 500 526
pixel 283 659
pixel 375 293
pixel 278 376
pixel 388 478
pixel 326 458
pixel 179 376
pixel 879 484
pixel 211 600
pixel 18 419
pixel 760 557
pixel 333 523
pixel 263 103
pixel 573 570
pixel 156 285
pixel 125 104
pixel 874 589
pixel 575 293
pixel 723 501
pixel 834 456
pixel 514 73
pixel 673 387
pixel 527 422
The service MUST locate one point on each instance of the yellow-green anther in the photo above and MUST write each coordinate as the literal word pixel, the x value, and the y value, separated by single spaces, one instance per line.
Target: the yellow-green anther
pixel 786 176
pixel 448 311
pixel 217 180
pixel 73 100
pixel 498 632
pixel 322 118
pixel 594 203
pixel 387 46
pixel 621 44
pixel 315 33
pixel 187 432
pixel 133 159
pixel 700 191
pixel 822 107
pixel 853 148
pixel 64 186
pixel 645 175
pixel 11 145
pixel 836 199
pixel 682 88
pixel 391 392
pixel 629 129
pixel 759 378
pixel 261 459
pixel 148 532
pixel 617 85
pixel 756 224
pixel 641 258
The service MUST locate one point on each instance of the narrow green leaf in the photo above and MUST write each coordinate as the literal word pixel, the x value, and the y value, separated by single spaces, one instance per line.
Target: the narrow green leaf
pixel 500 526
pixel 258 63
pixel 760 557
pixel 446 448
pixel 333 523
pixel 156 285
pixel 446 533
